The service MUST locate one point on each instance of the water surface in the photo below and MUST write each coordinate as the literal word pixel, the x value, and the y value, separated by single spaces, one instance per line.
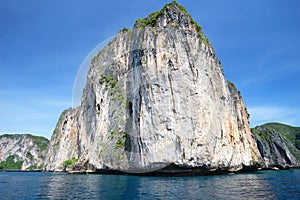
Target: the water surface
pixel 259 185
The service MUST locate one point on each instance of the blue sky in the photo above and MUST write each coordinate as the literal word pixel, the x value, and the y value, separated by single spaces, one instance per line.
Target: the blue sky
pixel 43 43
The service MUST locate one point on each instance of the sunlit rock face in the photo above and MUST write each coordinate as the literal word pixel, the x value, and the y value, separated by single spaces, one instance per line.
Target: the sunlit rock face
pixel 64 141
pixel 156 95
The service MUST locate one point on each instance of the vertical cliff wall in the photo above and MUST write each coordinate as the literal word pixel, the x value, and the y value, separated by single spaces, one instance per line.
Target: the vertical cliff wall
pixel 156 95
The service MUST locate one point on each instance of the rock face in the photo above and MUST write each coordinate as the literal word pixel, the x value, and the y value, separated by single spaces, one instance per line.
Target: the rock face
pixel 22 151
pixel 156 95
pixel 64 141
pixel 278 145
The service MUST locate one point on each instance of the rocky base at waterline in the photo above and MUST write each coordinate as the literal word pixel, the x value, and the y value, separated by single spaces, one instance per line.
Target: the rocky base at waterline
pixel 169 170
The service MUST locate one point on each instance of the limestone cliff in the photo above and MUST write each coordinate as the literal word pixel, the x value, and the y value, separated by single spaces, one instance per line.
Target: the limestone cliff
pixel 156 96
pixel 64 141
pixel 22 151
pixel 278 144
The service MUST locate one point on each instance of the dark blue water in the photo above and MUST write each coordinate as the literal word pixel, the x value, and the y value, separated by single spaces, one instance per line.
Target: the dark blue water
pixel 259 185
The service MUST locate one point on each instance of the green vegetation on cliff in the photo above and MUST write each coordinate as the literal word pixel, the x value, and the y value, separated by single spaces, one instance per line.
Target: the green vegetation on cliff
pixel 124 30
pixel 33 167
pixel 41 142
pixel 233 88
pixel 152 18
pixel 70 162
pixel 108 80
pixel 10 163
pixel 29 155
pixel 10 136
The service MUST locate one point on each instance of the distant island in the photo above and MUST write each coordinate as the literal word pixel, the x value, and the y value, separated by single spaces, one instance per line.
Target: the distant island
pixel 22 152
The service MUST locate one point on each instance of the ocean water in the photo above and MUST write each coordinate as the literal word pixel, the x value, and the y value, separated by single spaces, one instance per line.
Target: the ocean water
pixel 258 185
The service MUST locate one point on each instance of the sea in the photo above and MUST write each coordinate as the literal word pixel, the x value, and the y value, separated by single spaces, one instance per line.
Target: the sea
pixel 43 185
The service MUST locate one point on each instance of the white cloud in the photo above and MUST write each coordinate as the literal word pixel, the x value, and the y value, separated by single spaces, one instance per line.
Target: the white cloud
pixel 264 114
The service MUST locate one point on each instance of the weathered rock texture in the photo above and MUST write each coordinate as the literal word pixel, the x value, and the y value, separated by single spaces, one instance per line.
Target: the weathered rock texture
pixel 22 151
pixel 64 141
pixel 278 145
pixel 156 95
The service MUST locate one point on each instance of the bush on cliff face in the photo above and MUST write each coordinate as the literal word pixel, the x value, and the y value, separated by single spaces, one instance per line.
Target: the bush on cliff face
pixel 70 162
pixel 29 155
pixel 10 163
pixel 33 167
pixel 7 136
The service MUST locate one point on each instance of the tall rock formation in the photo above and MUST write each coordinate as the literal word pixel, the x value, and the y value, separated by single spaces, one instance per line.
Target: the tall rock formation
pixel 156 96
pixel 22 151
